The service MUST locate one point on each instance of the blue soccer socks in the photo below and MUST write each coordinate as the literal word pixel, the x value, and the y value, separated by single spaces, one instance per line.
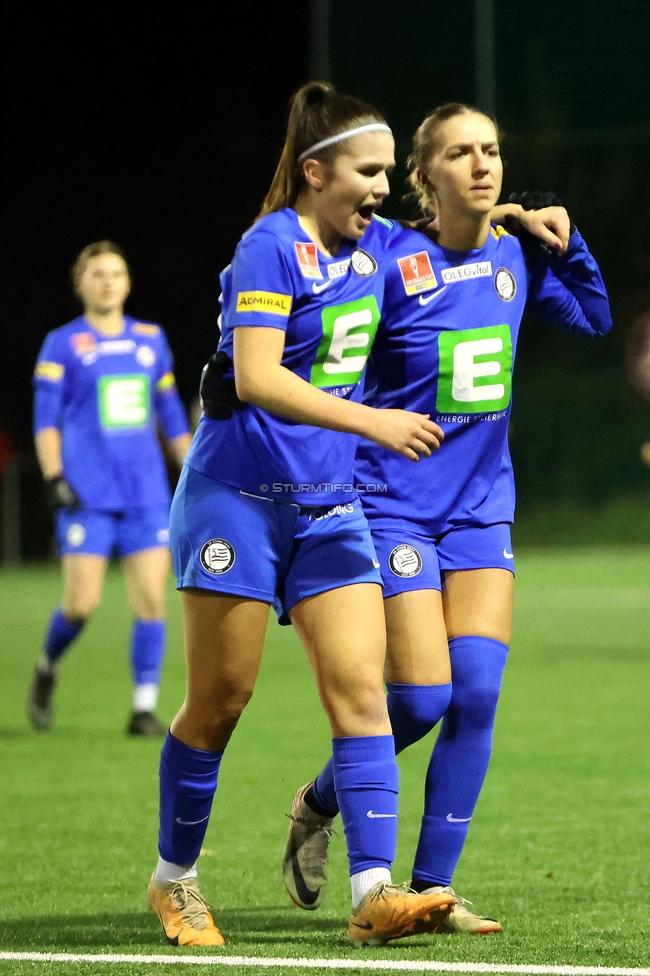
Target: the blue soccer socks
pixel 460 757
pixel 188 781
pixel 147 650
pixel 367 785
pixel 60 634
pixel 414 710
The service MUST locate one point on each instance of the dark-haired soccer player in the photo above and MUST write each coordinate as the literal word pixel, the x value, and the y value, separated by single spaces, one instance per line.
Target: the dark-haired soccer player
pixel 301 302
pixel 102 384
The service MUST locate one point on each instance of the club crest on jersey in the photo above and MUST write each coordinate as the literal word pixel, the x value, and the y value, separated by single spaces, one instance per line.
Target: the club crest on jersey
pixel 217 556
pixel 145 356
pixel 505 284
pixel 405 561
pixel 307 259
pixel 363 264
pixel 417 273
pixel 83 343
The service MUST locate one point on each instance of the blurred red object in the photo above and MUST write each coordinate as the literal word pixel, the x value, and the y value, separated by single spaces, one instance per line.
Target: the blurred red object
pixel 7 450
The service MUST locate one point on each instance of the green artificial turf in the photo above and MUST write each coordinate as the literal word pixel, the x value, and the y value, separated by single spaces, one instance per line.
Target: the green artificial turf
pixel 559 846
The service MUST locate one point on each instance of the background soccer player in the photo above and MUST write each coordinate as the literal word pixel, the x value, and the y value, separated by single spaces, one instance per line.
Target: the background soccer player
pixel 266 513
pixel 102 383
pixel 451 318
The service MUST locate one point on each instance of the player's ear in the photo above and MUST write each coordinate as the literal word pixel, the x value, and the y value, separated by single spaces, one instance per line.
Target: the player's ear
pixel 423 178
pixel 314 173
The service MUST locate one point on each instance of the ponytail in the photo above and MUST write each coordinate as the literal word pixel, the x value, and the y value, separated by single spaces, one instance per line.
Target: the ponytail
pixel 317 112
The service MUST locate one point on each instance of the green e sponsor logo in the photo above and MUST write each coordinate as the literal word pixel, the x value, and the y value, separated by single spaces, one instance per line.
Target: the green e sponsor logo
pixel 348 334
pixel 475 370
pixel 124 401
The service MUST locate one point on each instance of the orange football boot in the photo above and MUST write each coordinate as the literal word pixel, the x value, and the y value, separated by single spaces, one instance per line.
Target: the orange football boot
pixel 184 913
pixel 391 911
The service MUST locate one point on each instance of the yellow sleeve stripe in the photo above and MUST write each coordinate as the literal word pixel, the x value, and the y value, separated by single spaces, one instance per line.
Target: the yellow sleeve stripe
pixel 165 382
pixel 498 231
pixel 264 301
pixel 49 371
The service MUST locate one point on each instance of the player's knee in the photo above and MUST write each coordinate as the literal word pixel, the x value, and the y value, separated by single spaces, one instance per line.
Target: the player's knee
pixel 476 704
pixel 78 607
pixel 363 707
pixel 148 606
pixel 414 715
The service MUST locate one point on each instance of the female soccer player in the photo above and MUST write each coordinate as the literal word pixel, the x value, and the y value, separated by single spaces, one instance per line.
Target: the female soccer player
pixel 102 383
pixel 301 302
pixel 446 347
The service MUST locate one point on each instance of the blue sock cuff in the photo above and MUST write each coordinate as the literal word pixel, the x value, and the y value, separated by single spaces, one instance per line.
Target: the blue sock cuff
pixel 191 761
pixel 363 748
pixel 477 659
pixel 365 762
pixel 472 641
pixel 147 650
pixel 417 692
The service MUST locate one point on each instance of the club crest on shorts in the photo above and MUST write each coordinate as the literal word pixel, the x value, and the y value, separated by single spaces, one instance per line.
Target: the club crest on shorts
pixel 217 556
pixel 505 284
pixel 405 561
pixel 363 264
pixel 76 535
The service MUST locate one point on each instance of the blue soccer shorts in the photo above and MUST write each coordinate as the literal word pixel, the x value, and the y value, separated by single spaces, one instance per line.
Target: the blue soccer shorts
pixel 411 560
pixel 226 540
pixel 87 531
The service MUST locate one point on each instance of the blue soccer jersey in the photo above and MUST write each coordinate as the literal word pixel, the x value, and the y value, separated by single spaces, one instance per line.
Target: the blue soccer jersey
pixel 105 395
pixel 446 347
pixel 329 309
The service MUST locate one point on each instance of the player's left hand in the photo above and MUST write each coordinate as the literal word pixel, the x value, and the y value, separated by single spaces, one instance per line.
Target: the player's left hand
pixel 218 395
pixel 544 217
pixel 59 494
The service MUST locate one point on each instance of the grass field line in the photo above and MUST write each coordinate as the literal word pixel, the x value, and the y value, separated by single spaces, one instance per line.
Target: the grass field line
pixel 367 965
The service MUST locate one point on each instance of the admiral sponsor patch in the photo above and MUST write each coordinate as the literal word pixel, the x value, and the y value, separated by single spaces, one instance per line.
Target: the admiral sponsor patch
pixel 465 272
pixel 308 259
pixel 165 382
pixel 264 301
pixel 83 343
pixel 217 556
pixel 417 273
pixel 363 264
pixel 405 561
pixel 505 284
pixel 49 371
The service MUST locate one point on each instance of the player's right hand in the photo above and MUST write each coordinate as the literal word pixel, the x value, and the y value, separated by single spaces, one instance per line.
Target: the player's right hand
pixel 407 433
pixel 59 493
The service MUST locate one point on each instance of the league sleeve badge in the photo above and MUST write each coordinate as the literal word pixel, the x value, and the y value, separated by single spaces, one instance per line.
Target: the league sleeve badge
pixel 417 273
pixel 307 259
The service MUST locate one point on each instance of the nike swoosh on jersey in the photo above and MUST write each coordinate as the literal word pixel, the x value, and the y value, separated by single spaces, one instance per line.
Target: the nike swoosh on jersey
pixel 508 555
pixel 306 895
pixel 425 301
pixel 453 819
pixel 317 289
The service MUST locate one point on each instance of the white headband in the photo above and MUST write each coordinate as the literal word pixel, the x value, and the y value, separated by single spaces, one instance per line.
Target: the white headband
pixel 372 127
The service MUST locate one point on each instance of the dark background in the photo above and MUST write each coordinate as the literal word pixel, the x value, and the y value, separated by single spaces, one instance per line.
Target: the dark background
pixel 160 127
